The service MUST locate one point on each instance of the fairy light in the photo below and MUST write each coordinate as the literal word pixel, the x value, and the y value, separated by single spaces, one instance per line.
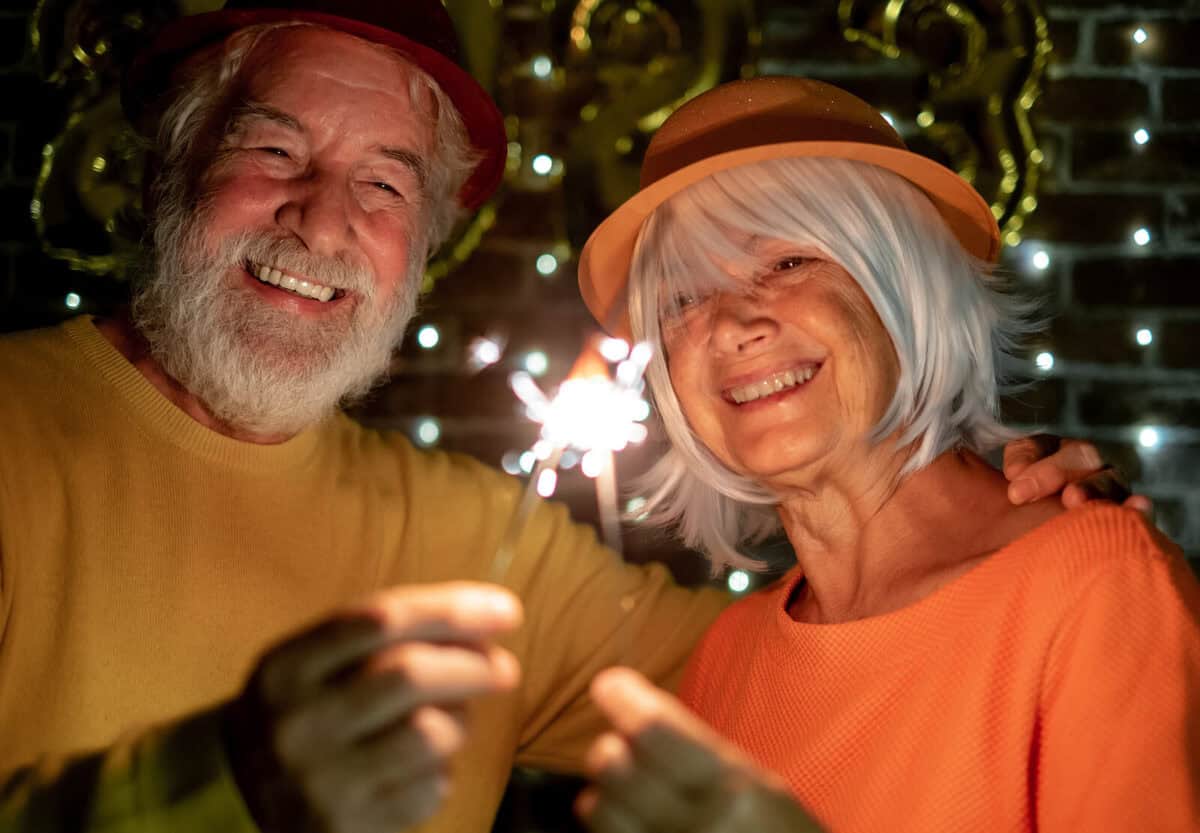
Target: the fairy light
pixel 635 508
pixel 511 462
pixel 484 351
pixel 1149 437
pixel 542 66
pixel 614 349
pixel 428 432
pixel 1141 236
pixel 1144 336
pixel 1040 260
pixel 738 581
pixel 536 363
pixel 1140 36
pixel 527 461
pixel 542 164
pixel 428 337
pixel 1045 361
pixel 547 264
pixel 72 300
pixel 1141 136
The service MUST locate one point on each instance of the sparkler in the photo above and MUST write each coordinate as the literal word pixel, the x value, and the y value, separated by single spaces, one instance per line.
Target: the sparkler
pixel 595 413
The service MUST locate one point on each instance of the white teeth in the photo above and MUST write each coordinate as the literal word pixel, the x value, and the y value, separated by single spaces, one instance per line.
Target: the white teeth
pixel 772 384
pixel 304 288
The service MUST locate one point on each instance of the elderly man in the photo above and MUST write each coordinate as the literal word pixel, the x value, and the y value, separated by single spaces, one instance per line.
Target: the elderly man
pixel 178 491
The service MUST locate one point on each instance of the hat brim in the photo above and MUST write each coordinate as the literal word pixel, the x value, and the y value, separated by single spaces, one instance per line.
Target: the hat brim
pixel 148 76
pixel 605 261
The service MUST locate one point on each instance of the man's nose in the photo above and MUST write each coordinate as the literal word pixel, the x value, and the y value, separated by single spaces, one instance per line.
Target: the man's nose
pixel 319 211
pixel 740 323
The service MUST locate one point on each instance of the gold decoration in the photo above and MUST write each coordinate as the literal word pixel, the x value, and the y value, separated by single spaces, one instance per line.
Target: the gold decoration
pixel 584 84
pixel 985 61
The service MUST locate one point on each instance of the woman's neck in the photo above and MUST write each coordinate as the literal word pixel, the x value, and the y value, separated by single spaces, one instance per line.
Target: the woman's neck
pixel 869 542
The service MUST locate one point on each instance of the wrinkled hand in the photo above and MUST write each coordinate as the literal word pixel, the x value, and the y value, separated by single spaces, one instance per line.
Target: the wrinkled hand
pixel 350 725
pixel 1042 465
pixel 662 770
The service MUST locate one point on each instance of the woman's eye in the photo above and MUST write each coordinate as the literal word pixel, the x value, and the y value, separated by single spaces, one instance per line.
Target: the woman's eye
pixel 787 264
pixel 383 186
pixel 280 152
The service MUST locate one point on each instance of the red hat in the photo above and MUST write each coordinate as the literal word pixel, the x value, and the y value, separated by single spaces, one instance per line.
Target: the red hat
pixel 755 120
pixel 418 29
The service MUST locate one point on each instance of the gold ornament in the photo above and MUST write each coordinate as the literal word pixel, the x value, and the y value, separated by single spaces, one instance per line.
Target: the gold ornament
pixel 984 63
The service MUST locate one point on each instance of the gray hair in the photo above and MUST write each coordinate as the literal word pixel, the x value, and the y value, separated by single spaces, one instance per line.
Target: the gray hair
pixel 951 324
pixel 204 90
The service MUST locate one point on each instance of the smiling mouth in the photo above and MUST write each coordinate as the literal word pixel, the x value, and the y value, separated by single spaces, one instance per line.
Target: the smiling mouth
pixel 300 287
pixel 780 382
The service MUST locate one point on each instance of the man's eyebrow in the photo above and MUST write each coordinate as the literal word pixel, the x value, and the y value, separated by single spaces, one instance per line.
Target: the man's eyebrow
pixel 410 160
pixel 247 110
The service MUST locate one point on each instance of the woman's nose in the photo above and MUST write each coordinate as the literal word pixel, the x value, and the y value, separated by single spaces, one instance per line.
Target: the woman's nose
pixel 740 323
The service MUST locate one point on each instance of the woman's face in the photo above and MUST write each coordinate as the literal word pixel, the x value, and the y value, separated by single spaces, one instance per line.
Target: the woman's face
pixel 787 376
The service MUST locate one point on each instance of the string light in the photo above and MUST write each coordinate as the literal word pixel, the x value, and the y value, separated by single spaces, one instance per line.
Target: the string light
pixel 738 581
pixel 511 462
pixel 1140 36
pixel 1041 260
pixel 1148 437
pixel 1045 361
pixel 527 461
pixel 614 349
pixel 1141 236
pixel 536 363
pixel 542 164
pixel 542 66
pixel 546 264
pixel 428 431
pixel 484 351
pixel 1141 136
pixel 72 300
pixel 428 337
pixel 634 508
pixel 1144 336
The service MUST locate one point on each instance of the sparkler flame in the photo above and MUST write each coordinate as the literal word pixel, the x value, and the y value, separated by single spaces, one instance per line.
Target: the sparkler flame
pixel 594 414
pixel 591 410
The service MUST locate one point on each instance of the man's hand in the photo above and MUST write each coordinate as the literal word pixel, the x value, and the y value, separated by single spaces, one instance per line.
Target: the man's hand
pixel 662 770
pixel 1042 465
pixel 350 725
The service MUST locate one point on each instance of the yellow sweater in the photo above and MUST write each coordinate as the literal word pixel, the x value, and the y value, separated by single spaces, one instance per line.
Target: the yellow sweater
pixel 145 562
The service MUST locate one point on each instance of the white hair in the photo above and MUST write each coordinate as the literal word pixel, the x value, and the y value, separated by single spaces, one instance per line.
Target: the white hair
pixel 207 81
pixel 950 323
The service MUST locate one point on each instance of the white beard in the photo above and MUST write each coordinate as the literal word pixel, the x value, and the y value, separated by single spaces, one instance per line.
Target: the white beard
pixel 255 367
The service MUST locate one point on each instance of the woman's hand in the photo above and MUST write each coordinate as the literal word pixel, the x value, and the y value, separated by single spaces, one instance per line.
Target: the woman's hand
pixel 662 770
pixel 1042 465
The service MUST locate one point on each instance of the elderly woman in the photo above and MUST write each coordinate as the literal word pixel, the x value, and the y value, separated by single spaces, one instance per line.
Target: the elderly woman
pixel 830 336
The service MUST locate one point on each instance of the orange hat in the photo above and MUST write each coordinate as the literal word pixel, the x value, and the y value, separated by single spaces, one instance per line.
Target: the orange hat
pixel 752 121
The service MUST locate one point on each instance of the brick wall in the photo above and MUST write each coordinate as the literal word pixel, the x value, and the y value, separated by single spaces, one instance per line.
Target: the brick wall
pixel 1099 187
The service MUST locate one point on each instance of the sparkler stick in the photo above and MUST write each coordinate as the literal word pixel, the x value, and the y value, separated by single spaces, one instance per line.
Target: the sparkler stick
pixel 592 413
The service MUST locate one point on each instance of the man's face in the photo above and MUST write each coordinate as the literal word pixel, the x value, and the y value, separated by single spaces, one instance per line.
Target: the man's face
pixel 324 148
pixel 293 275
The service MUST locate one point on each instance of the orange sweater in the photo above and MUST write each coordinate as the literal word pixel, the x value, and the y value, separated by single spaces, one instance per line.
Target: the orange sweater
pixel 1054 687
